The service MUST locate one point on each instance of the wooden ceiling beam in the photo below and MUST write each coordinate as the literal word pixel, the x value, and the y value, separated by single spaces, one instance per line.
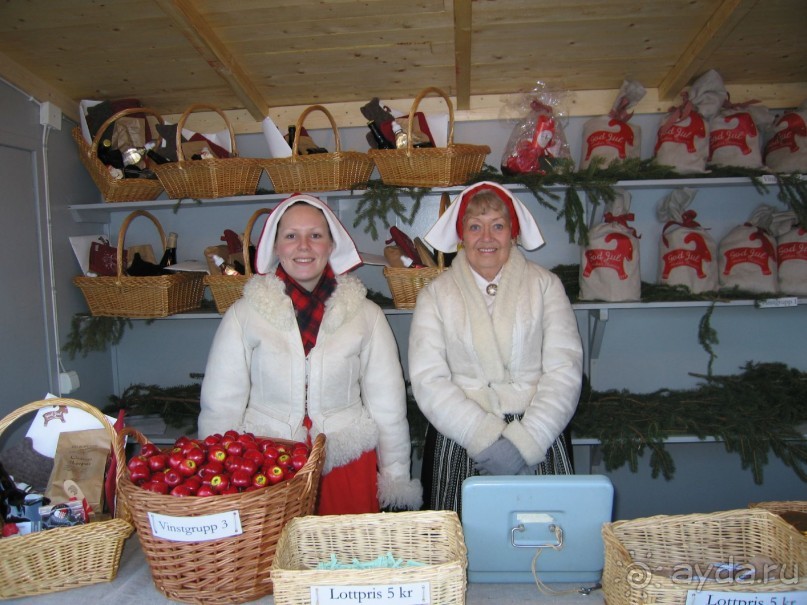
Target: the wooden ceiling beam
pixel 193 26
pixel 714 31
pixel 462 52
pixel 36 87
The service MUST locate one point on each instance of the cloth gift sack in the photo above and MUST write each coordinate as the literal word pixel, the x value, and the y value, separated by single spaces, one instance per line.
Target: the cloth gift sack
pixel 736 134
pixel 609 267
pixel 791 253
pixel 786 150
pixel 682 141
pixel 611 137
pixel 747 255
pixel 687 252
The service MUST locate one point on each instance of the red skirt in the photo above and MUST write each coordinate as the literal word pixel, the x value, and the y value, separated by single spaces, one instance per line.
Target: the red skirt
pixel 350 489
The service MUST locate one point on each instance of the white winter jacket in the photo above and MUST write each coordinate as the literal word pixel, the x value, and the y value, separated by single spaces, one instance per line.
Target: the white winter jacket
pixel 257 371
pixel 468 368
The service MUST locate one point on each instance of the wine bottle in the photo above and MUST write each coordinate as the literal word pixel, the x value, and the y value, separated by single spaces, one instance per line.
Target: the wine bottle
pixel 9 492
pixel 108 155
pixel 379 138
pixel 143 268
pixel 290 137
pixel 170 255
pixel 225 267
pixel 154 156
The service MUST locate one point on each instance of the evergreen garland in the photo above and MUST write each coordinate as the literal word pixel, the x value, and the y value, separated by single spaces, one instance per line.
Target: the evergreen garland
pixel 380 200
pixel 754 413
pixel 178 406
pixel 89 333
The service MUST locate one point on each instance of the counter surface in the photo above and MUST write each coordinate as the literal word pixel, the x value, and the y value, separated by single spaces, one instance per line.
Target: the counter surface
pixel 133 584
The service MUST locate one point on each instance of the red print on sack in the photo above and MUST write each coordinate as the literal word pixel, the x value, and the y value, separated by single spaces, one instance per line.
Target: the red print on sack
pixel 610 258
pixel 685 135
pixel 734 137
pixel 688 257
pixel 755 255
pixel 792 250
pixel 57 414
pixel 619 140
pixel 786 138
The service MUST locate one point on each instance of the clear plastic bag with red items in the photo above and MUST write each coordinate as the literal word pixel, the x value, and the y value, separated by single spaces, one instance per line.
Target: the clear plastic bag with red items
pixel 538 139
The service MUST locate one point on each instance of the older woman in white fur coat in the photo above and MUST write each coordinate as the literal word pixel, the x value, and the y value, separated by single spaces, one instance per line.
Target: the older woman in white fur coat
pixel 495 356
pixel 305 352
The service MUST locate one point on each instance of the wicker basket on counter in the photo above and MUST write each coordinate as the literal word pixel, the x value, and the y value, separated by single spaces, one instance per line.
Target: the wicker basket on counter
pixel 446 166
pixel 211 178
pixel 432 538
pixel 65 557
pixel 141 296
pixel 229 570
pixel 656 559
pixel 112 189
pixel 318 171
pixel 226 289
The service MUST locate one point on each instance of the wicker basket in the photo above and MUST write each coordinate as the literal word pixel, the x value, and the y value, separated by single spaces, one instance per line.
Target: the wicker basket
pixel 141 297
pixel 112 189
pixel 433 538
pixel 227 289
pixel 228 570
pixel 430 166
pixel 406 282
pixel 319 171
pixel 642 556
pixel 207 179
pixel 69 557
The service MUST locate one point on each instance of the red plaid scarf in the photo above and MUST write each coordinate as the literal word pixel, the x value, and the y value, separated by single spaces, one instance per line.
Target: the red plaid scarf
pixel 309 307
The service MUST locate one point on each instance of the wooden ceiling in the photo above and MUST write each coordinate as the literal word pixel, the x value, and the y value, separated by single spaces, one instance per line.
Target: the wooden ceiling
pixel 274 57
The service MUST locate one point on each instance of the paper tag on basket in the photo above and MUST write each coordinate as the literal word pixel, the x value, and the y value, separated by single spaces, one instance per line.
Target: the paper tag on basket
pixel 416 593
pixel 714 597
pixel 205 528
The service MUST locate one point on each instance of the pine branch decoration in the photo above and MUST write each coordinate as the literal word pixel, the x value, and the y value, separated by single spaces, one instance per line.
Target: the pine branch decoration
pixel 379 201
pixel 88 333
pixel 754 414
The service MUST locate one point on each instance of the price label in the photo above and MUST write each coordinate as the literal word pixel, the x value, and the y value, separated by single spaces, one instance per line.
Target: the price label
pixel 196 529
pixel 389 594
pixel 709 597
pixel 775 303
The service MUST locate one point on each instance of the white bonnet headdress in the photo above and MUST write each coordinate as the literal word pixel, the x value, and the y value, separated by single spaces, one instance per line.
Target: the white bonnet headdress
pixel 446 233
pixel 344 256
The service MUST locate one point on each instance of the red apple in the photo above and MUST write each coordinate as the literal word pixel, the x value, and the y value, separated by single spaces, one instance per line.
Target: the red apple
pixel 212 439
pixel 241 478
pixel 234 448
pixel 231 434
pixel 158 487
pixel 181 441
pixel 230 489
pixel 175 458
pixel 284 460
pixel 137 461
pixel 232 463
pixel 158 462
pixel 217 452
pixel 187 468
pixel 249 466
pixel 205 491
pixel 197 454
pixel 275 474
pixel 209 469
pixel 298 461
pixel 255 455
pixel 271 452
pixel 139 474
pixel 181 490
pixel 149 449
pixel 219 482
pixel 172 477
pixel 260 480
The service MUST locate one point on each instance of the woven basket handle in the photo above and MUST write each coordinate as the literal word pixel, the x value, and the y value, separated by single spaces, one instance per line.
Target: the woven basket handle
pixel 318 446
pixel 183 118
pixel 121 512
pixel 248 237
pixel 122 235
pixel 413 110
pixel 122 114
pixel 299 125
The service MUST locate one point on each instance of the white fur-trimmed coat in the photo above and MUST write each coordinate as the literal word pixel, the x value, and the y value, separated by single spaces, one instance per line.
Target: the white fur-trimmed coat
pixel 468 368
pixel 255 380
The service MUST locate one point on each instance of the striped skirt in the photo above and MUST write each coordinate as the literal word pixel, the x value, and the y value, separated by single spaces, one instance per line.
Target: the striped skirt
pixel 446 465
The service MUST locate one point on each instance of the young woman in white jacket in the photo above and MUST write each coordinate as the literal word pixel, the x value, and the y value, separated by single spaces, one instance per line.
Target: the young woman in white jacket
pixel 495 356
pixel 305 352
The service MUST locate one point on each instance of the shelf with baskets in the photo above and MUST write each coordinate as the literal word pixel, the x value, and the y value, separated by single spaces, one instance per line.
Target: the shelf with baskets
pixel 721 203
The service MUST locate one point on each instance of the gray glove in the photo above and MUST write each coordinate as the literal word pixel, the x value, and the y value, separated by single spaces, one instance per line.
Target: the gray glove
pixel 501 458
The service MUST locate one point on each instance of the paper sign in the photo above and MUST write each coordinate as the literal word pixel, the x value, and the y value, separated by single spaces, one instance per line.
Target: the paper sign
pixel 774 303
pixel 205 528
pixel 51 421
pixel 709 597
pixel 388 594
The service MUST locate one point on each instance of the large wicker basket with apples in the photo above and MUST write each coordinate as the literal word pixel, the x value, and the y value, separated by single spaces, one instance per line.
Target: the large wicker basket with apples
pixel 209 513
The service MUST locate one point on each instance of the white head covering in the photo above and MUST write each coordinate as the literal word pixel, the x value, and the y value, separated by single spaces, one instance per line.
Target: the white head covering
pixel 444 234
pixel 344 256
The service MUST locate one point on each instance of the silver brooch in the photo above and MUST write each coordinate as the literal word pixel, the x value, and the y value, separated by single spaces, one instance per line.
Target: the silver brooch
pixel 491 289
